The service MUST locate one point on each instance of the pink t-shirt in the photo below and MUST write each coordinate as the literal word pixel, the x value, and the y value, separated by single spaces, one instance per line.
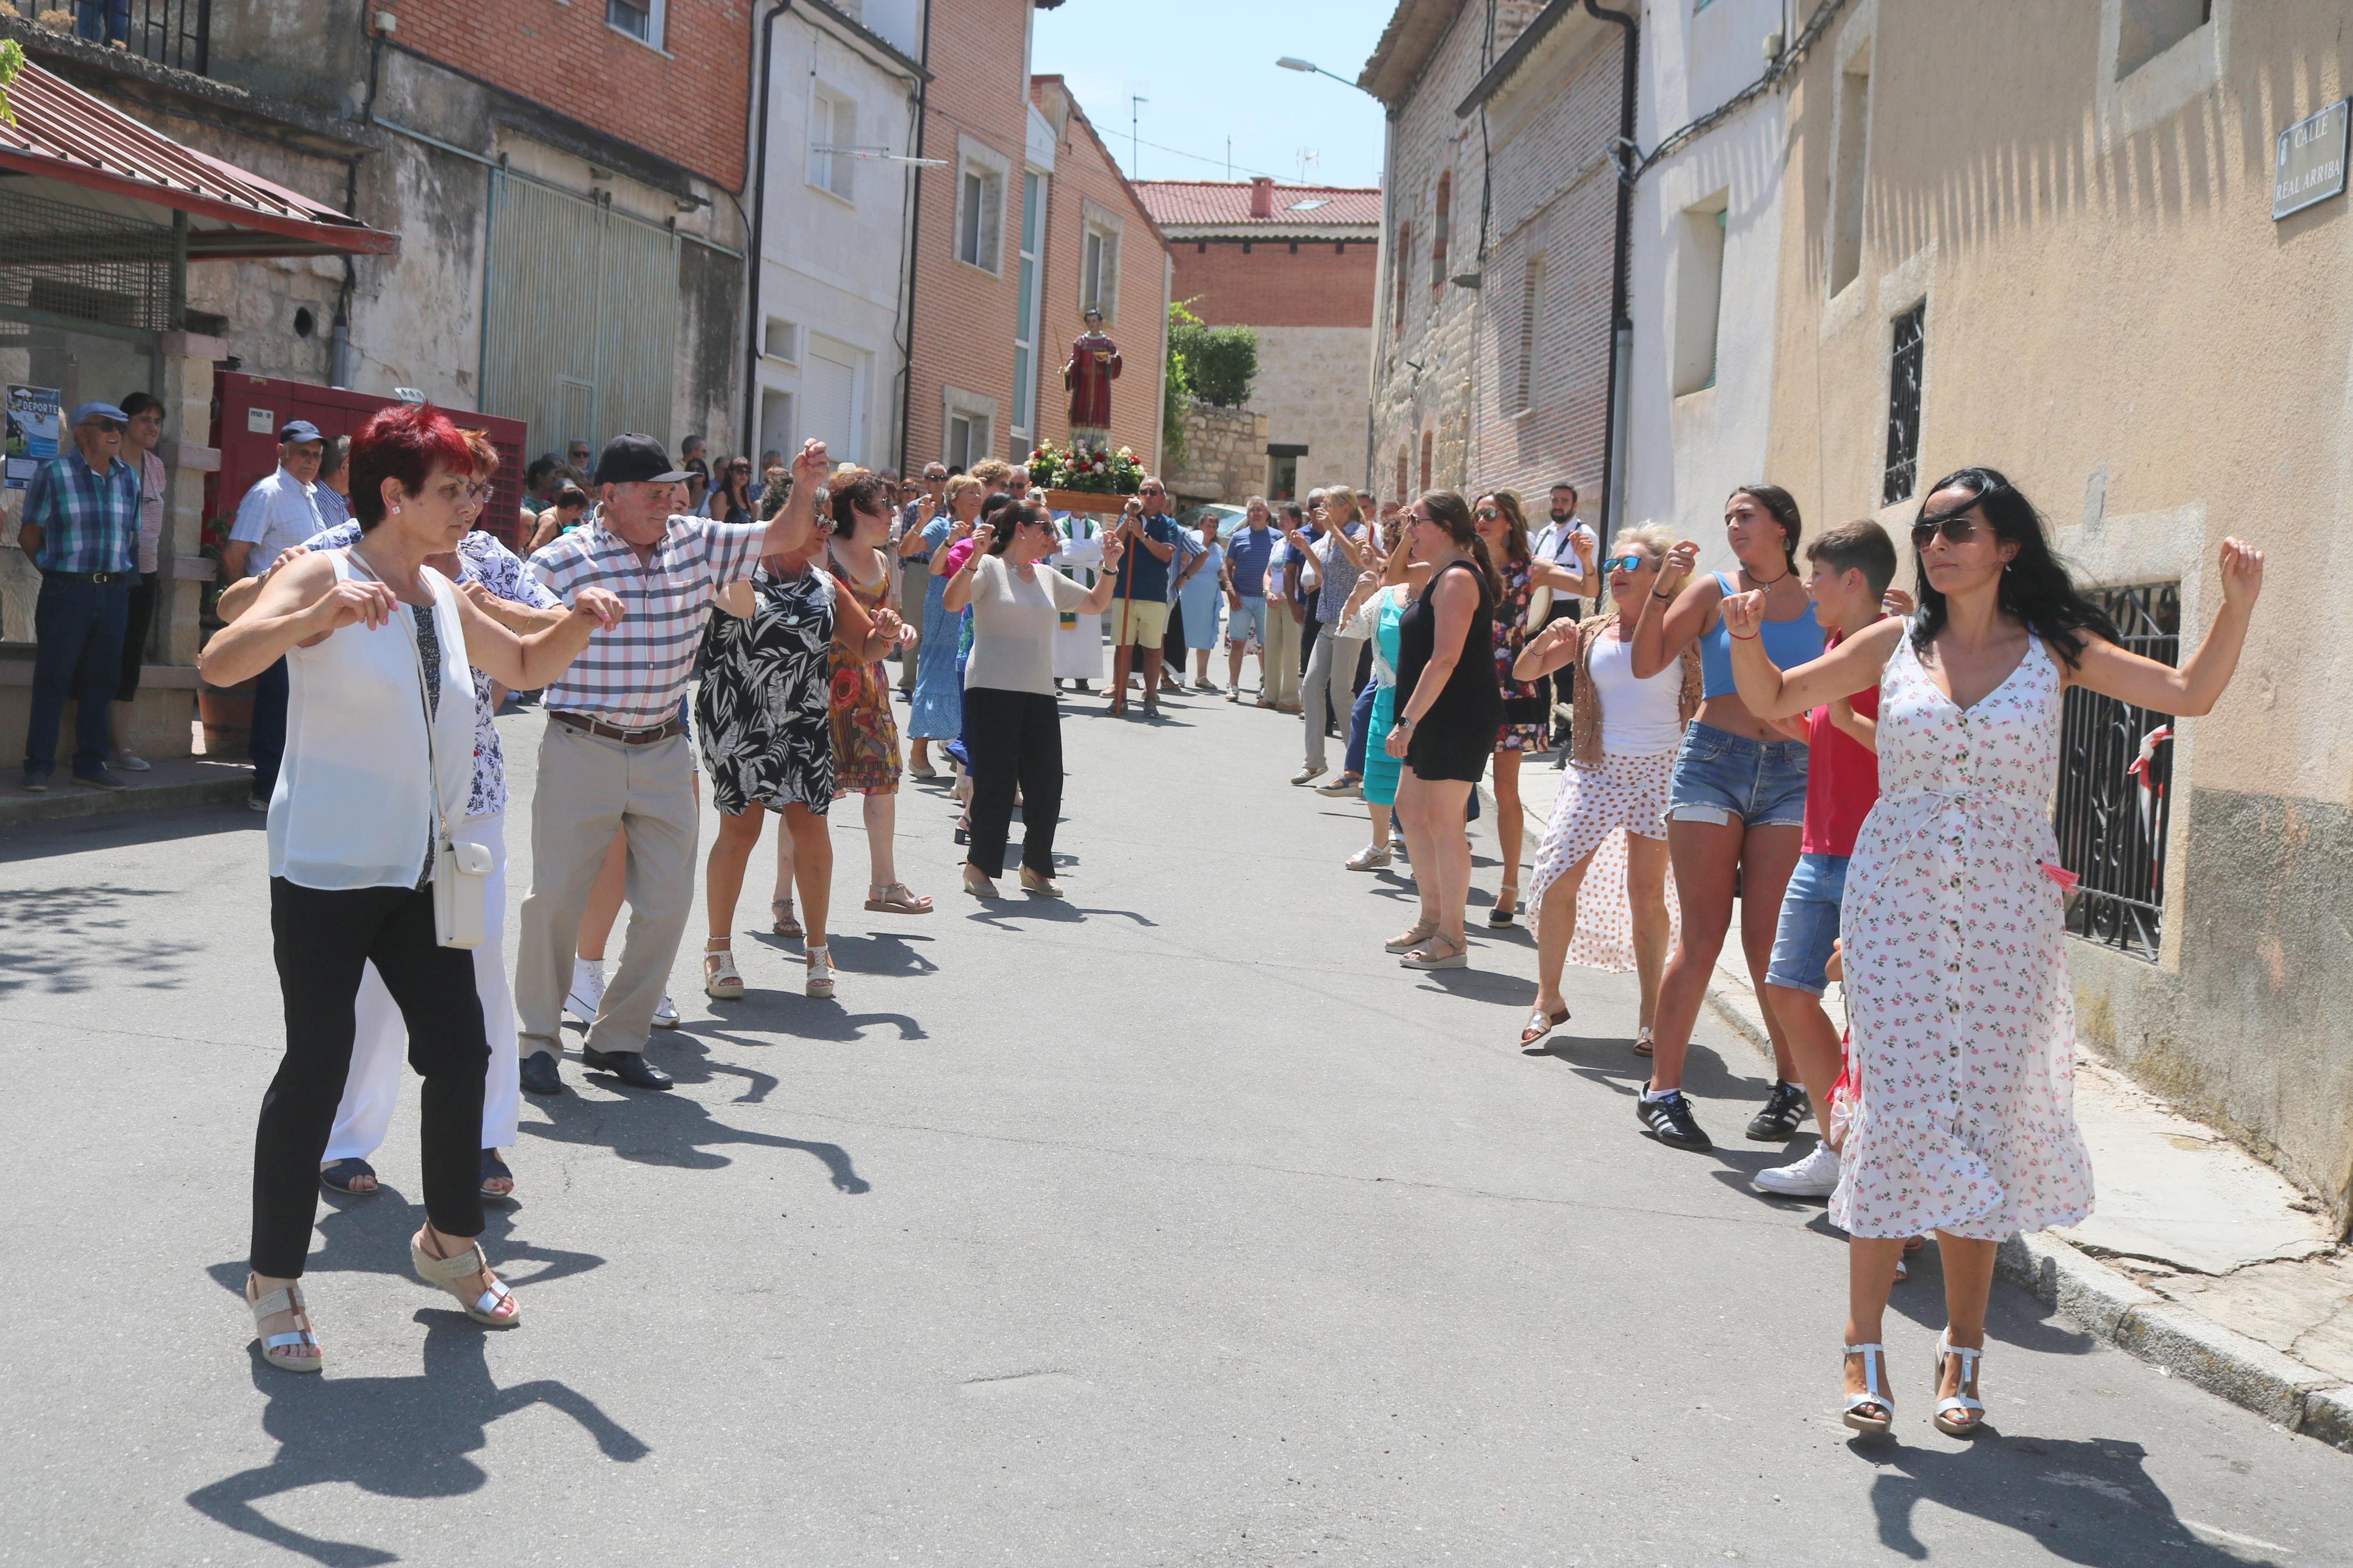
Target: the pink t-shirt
pixel 959 553
pixel 1841 777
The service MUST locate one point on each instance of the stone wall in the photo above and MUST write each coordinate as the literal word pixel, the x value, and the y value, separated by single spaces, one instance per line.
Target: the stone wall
pixel 1310 389
pixel 1225 455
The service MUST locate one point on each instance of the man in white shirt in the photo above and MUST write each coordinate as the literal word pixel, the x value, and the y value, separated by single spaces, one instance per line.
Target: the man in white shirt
pixel 1556 542
pixel 1078 641
pixel 277 514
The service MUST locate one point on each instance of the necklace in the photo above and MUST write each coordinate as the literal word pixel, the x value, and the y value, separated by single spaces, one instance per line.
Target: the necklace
pixel 1754 578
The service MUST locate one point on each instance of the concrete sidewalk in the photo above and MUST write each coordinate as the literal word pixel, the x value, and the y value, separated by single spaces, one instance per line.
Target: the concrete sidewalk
pixel 2200 1259
pixel 168 784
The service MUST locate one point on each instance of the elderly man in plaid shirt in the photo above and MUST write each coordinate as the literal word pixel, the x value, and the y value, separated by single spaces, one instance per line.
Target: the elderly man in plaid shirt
pixel 616 754
pixel 81 527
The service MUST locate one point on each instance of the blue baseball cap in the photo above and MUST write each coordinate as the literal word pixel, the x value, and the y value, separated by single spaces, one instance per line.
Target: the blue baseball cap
pixel 95 410
pixel 295 430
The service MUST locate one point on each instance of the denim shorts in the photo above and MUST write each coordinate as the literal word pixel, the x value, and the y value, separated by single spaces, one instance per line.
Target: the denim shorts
pixel 1727 778
pixel 1810 924
pixel 1247 624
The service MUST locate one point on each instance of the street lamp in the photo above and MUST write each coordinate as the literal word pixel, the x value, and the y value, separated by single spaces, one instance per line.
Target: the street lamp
pixel 1292 63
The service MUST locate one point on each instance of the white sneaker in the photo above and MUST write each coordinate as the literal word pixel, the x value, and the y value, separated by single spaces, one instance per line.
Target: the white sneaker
pixel 588 990
pixel 1815 1177
pixel 666 1015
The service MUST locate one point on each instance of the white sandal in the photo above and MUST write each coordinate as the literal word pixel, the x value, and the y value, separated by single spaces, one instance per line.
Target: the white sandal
pixel 275 1347
pixel 1875 1393
pixel 720 981
pixel 820 972
pixel 1371 857
pixel 1963 1402
pixel 494 1308
pixel 1433 955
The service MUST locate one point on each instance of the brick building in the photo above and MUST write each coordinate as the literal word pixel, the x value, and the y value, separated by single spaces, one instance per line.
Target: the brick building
pixel 1300 266
pixel 1101 246
pixel 567 178
pixel 1492 361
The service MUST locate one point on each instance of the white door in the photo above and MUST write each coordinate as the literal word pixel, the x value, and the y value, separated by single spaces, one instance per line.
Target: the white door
pixel 829 388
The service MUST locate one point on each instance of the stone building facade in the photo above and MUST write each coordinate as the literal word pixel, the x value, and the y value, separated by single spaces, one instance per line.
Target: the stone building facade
pixel 2081 282
pixel 1491 359
pixel 1299 265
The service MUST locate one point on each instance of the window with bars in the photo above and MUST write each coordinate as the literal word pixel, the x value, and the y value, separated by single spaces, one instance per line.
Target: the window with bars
pixel 170 32
pixel 2116 778
pixel 1906 358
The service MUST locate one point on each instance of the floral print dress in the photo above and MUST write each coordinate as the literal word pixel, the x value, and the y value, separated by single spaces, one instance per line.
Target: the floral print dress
pixel 761 708
pixel 865 734
pixel 1957 984
pixel 1523 727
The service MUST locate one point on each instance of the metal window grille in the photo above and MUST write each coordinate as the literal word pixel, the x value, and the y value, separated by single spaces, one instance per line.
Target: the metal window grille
pixel 174 33
pixel 1905 361
pixel 83 265
pixel 2113 806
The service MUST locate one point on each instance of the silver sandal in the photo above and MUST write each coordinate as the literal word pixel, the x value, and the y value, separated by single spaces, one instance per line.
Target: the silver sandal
pixel 494 1308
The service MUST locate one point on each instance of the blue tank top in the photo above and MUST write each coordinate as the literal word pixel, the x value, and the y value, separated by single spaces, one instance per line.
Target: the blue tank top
pixel 1786 643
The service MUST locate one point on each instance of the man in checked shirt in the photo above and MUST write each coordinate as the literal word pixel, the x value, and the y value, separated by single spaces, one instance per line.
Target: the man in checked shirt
pixel 616 754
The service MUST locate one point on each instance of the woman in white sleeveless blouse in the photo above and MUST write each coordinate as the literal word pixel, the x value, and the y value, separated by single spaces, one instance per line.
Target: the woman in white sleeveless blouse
pixel 1957 984
pixel 379 751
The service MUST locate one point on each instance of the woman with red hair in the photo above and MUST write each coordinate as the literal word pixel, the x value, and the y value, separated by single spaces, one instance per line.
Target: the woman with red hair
pixel 378 761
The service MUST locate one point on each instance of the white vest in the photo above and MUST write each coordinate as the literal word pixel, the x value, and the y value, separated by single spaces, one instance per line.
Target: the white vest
pixel 354 804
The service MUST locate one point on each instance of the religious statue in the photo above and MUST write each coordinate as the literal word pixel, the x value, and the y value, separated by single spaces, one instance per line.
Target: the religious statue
pixel 1094 365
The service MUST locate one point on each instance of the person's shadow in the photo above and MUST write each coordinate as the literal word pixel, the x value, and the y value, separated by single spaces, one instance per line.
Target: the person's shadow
pixel 2105 1509
pixel 675 1131
pixel 420 1436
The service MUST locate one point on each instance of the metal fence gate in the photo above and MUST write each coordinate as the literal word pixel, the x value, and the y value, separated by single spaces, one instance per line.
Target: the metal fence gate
pixel 579 316
pixel 2115 785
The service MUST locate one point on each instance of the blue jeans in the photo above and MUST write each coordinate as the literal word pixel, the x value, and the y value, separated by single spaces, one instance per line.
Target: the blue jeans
pixel 1360 721
pixel 267 745
pixel 102 21
pixel 1726 778
pixel 1809 925
pixel 78 636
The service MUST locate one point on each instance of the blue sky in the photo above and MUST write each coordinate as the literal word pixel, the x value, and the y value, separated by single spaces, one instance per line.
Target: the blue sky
pixel 1207 68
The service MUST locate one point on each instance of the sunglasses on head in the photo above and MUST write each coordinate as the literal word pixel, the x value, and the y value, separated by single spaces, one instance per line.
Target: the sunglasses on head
pixel 1958 528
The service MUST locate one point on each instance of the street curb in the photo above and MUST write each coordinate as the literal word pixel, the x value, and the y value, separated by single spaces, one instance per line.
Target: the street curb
pixel 2113 1307
pixel 66 803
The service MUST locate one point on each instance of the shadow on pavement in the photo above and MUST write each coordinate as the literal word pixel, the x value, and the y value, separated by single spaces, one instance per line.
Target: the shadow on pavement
pixel 66 940
pixel 393 1437
pixel 2078 1501
pixel 672 1129
pixel 80 834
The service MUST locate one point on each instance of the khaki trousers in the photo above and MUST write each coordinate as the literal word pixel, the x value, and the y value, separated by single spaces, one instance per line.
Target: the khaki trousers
pixel 588 787
pixel 1281 652
pixel 1328 691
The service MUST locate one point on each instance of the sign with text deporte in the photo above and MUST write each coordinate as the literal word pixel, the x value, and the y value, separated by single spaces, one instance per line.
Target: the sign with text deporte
pixel 32 438
pixel 2310 163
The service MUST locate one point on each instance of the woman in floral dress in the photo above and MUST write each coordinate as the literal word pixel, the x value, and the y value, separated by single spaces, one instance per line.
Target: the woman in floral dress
pixel 1957 984
pixel 865 735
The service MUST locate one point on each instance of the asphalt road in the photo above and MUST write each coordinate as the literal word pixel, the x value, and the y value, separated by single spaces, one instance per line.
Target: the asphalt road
pixel 1172 1224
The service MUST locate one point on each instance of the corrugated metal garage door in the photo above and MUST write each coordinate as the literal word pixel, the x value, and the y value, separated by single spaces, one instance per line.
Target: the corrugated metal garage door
pixel 579 317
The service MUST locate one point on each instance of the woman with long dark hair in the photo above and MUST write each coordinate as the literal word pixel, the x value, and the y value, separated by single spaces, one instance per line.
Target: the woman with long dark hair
pixel 865 733
pixel 731 491
pixel 1737 808
pixel 1447 706
pixel 1016 735
pixel 1956 970
pixel 379 752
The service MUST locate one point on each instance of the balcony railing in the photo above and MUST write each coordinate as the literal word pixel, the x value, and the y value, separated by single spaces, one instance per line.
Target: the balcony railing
pixel 173 33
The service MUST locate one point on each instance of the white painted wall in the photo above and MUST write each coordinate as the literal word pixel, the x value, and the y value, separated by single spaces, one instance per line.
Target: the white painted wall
pixel 1686 452
pixel 831 266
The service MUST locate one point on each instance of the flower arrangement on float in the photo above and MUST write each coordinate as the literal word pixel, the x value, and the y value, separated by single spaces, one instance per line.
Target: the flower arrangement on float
pixel 1087 469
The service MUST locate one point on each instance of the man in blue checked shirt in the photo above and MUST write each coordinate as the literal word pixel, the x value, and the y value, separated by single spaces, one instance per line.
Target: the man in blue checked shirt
pixel 82 529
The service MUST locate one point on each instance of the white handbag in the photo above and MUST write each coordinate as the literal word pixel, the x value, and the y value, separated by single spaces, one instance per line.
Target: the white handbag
pixel 462 871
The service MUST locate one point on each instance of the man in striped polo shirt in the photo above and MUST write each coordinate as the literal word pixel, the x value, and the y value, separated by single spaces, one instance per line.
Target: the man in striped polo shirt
pixel 616 754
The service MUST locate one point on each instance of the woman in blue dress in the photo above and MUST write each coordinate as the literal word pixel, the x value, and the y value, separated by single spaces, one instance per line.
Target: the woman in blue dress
pixel 936 713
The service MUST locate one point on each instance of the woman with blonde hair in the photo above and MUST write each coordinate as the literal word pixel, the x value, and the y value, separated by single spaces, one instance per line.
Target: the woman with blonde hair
pixel 1604 855
pixel 1327 692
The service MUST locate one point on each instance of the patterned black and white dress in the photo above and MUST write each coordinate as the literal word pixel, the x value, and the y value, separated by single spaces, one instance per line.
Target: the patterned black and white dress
pixel 760 711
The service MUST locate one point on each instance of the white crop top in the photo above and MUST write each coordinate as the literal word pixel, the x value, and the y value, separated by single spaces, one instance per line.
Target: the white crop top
pixel 1639 718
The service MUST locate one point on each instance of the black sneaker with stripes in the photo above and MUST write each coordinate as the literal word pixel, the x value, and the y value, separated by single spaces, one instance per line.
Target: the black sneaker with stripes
pixel 1784 1109
pixel 1669 1120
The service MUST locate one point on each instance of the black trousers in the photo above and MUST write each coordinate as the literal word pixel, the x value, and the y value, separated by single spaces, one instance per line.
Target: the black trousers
pixel 1308 628
pixel 134 636
pixel 1172 645
pixel 1015 738
pixel 323 939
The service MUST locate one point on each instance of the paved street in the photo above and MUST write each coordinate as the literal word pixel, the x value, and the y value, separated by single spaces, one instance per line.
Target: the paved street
pixel 1175 1225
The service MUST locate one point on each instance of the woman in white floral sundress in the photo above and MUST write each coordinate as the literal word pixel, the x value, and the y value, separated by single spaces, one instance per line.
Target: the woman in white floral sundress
pixel 1957 984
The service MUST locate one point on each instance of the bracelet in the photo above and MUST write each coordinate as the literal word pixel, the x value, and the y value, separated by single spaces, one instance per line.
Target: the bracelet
pixel 1667 598
pixel 1735 637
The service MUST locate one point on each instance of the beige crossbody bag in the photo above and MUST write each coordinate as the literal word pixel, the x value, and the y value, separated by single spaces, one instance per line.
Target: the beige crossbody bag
pixel 462 871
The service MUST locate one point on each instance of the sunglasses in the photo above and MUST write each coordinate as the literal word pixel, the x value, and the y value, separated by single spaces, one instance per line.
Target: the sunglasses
pixel 111 427
pixel 1956 529
pixel 1488 514
pixel 1625 563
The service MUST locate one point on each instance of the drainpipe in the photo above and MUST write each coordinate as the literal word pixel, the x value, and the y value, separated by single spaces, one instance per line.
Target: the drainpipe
pixel 752 258
pixel 1621 326
pixel 915 233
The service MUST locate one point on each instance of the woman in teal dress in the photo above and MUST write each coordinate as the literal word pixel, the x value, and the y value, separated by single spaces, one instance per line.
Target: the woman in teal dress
pixel 1374 611
pixel 937 710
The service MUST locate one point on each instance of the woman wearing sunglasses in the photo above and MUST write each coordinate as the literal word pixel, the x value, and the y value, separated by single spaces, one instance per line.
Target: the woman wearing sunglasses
pixel 1601 886
pixel 1736 807
pixel 1957 985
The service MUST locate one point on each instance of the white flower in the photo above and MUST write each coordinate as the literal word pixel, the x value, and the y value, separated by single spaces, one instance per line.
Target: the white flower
pixel 1099 466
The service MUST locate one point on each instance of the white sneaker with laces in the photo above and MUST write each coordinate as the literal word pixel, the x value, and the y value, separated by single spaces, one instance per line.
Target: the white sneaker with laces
pixel 666 1015
pixel 1815 1177
pixel 588 990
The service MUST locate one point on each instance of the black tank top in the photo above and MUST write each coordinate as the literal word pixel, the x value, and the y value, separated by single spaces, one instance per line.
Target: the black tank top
pixel 1471 705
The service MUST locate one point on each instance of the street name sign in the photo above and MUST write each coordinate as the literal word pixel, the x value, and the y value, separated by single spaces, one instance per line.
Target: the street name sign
pixel 2310 164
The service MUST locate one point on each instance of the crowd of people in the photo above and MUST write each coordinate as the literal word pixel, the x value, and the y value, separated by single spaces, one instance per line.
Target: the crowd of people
pixel 1860 771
